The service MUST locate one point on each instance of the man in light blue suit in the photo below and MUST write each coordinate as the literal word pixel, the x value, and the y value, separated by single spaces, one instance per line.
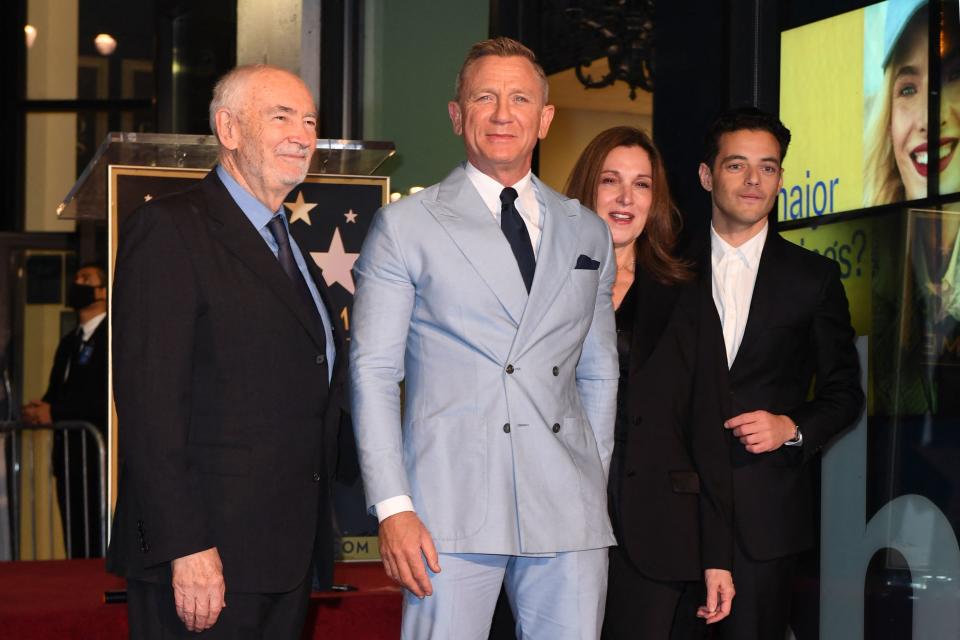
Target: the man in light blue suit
pixel 489 295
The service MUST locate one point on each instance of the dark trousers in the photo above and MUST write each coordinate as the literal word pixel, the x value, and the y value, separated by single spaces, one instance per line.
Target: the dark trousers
pixel 761 608
pixel 641 607
pixel 247 616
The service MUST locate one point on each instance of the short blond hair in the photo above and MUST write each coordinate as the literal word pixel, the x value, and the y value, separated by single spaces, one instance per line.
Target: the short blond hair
pixel 502 47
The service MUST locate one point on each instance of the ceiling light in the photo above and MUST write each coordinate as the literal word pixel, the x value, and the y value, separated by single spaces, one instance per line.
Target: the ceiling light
pixel 105 44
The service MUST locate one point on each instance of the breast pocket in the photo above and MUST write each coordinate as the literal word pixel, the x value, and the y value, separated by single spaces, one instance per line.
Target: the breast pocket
pixel 584 284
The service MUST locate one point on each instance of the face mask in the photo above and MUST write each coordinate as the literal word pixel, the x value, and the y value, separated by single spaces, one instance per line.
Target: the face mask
pixel 80 296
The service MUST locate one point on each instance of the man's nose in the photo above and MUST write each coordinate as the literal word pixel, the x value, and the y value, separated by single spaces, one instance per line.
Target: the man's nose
pixel 302 134
pixel 502 111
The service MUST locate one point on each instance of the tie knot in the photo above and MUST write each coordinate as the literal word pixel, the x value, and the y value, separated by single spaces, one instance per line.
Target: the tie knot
pixel 278 230
pixel 507 196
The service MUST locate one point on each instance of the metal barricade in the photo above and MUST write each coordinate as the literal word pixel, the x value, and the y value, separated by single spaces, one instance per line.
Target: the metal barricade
pixel 11 434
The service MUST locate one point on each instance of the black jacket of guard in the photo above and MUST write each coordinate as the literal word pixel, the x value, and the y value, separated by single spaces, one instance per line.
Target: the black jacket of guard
pixel 227 426
pixel 83 394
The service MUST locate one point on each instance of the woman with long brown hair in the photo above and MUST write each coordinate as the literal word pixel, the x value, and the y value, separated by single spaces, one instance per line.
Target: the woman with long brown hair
pixel 669 481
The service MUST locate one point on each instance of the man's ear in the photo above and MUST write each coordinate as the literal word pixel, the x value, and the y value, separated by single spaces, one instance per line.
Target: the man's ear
pixel 456 116
pixel 546 117
pixel 706 177
pixel 228 128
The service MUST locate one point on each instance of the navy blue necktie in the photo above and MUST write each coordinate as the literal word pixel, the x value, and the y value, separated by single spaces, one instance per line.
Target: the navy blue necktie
pixel 516 232
pixel 289 264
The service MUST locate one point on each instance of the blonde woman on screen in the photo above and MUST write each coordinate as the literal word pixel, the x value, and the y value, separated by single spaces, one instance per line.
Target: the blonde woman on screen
pixel 896 150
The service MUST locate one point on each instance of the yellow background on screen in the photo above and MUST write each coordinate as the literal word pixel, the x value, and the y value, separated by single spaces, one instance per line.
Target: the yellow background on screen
pixel 821 102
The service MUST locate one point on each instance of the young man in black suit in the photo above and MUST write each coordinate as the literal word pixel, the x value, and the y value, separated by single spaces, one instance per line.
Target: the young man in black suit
pixel 78 392
pixel 783 321
pixel 228 370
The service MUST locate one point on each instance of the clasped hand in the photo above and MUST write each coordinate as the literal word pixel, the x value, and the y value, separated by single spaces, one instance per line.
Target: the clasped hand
pixel 761 431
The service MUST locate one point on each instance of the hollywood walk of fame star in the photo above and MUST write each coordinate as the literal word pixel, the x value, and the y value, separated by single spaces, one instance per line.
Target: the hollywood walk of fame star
pixel 300 210
pixel 336 263
pixel 351 216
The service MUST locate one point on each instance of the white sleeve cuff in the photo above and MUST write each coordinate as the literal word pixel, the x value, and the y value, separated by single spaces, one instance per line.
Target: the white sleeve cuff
pixel 393 506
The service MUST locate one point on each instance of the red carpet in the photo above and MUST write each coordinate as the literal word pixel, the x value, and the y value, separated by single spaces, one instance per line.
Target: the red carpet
pixel 64 599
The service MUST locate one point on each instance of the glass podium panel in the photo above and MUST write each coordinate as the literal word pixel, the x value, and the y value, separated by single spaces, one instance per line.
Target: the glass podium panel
pixel 87 200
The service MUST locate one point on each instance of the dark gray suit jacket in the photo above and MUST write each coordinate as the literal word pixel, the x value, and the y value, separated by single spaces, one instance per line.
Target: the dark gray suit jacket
pixel 227 425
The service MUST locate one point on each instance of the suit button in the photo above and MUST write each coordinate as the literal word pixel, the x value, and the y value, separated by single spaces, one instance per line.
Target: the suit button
pixel 321 359
pixel 556 371
pixel 556 427
pixel 316 477
pixel 506 428
pixel 509 368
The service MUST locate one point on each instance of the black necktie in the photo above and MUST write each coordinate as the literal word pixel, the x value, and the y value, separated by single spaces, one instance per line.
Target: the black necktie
pixel 289 264
pixel 516 232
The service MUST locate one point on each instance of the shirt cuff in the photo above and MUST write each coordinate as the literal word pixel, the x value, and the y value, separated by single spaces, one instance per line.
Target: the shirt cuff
pixel 393 506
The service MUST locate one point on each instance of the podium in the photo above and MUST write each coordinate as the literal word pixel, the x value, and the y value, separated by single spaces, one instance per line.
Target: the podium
pixel 88 198
pixel 329 215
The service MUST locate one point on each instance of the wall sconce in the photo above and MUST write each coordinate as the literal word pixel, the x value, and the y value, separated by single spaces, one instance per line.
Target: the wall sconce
pixel 30 33
pixel 105 44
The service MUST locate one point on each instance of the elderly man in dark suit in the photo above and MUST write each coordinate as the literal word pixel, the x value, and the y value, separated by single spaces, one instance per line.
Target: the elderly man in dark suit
pixel 228 376
pixel 781 322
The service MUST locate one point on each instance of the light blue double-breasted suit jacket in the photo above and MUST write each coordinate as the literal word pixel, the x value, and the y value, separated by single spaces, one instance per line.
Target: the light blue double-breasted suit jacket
pixel 509 399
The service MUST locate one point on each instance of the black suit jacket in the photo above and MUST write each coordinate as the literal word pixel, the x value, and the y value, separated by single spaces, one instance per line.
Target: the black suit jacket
pixel 674 511
pixel 83 395
pixel 227 426
pixel 798 333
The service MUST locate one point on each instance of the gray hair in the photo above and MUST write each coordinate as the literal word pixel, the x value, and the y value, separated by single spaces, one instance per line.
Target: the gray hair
pixel 228 92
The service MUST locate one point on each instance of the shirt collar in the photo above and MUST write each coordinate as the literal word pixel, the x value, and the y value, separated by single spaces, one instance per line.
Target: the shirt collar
pixel 91 325
pixel 257 213
pixel 750 251
pixel 489 189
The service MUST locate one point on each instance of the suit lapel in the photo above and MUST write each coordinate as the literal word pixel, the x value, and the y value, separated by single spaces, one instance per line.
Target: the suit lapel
pixel 711 332
pixel 709 316
pixel 760 302
pixel 555 259
pixel 464 216
pixel 654 306
pixel 336 320
pixel 234 231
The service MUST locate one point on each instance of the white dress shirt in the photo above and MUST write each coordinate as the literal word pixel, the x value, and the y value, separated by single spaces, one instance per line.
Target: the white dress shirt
pixel 91 325
pixel 526 202
pixel 528 205
pixel 734 276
